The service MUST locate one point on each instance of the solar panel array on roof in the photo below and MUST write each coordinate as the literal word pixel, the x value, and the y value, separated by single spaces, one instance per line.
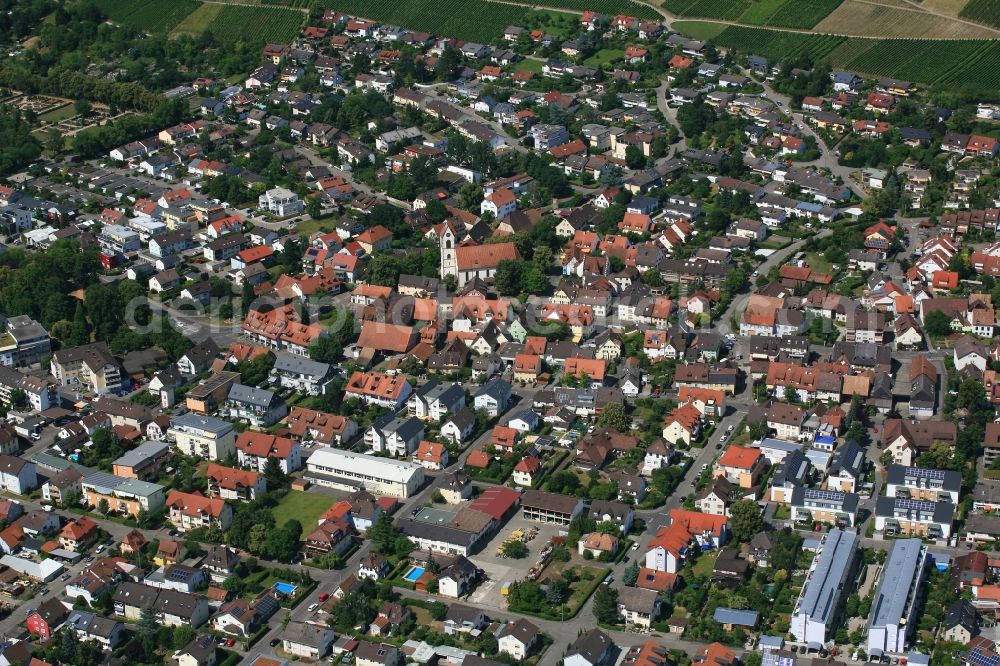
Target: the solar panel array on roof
pixel 831 495
pixel 916 505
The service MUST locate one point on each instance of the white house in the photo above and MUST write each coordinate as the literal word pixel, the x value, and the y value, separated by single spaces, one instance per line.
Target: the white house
pixel 281 202
pixel 500 203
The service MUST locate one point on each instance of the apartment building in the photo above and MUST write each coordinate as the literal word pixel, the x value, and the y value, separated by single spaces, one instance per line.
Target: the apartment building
pixel 189 511
pixel 931 485
pixel 827 585
pixel 124 496
pixel 811 505
pixel 912 517
pixel 203 436
pixel 23 341
pixel 894 610
pixel 91 367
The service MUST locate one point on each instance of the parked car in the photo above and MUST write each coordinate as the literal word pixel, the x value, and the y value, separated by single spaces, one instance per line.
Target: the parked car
pixel 274 642
pixel 312 608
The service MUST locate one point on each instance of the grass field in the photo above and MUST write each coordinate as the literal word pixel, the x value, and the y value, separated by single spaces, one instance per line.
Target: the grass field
pixel 961 64
pixel 197 21
pixel 604 57
pixel 148 15
pixel 700 29
pixel 303 507
pixel 982 11
pixel 55 115
pixel 529 65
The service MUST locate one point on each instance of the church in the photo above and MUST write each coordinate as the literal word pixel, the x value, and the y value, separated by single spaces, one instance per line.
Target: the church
pixel 467 260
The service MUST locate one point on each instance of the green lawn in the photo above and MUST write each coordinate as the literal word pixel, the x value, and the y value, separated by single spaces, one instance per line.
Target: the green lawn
pixel 61 113
pixel 818 263
pixel 303 507
pixel 699 29
pixel 706 562
pixel 605 57
pixel 529 65
pixel 307 228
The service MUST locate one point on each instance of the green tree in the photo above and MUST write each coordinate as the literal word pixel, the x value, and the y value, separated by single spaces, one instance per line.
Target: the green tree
pixel 274 475
pixel 615 416
pixel 326 349
pixel 147 629
pixel 744 519
pixel 634 159
pixel 18 399
pixel 631 574
pixel 937 324
pixel 606 605
pixel 382 535
pixel 515 549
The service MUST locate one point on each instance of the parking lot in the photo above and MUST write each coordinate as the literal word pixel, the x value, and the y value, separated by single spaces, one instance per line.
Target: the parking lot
pixel 502 569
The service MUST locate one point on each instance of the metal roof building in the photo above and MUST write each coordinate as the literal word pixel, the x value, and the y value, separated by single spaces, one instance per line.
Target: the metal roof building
pixel 894 608
pixel 825 588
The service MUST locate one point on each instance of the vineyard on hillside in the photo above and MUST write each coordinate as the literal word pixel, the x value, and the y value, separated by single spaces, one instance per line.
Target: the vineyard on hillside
pixel 968 64
pixel 778 13
pixel 150 16
pixel 256 24
pixel 982 11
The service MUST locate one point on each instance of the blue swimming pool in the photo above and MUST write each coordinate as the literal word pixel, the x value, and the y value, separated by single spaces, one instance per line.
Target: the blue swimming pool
pixel 414 574
pixel 285 588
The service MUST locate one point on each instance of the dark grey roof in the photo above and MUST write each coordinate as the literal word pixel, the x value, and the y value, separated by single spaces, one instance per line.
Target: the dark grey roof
pixel 793 469
pixel 906 556
pixel 142 453
pixel 463 418
pixel 962 613
pixel 916 510
pixel 849 459
pixel 442 533
pixel 933 479
pixel 252 395
pixel 300 365
pixel 591 645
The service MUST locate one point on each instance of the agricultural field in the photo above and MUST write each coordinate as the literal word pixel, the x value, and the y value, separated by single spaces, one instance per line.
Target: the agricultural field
pixel 775 45
pixel 789 13
pixel 864 19
pixel 152 16
pixel 606 7
pixel 197 21
pixel 967 63
pixel 700 29
pixel 728 10
pixel 779 13
pixel 472 20
pixel 256 24
pixel 982 11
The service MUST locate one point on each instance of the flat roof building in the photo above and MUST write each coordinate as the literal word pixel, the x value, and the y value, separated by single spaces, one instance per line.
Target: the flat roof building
pixel 350 471
pixel 825 588
pixel 894 609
